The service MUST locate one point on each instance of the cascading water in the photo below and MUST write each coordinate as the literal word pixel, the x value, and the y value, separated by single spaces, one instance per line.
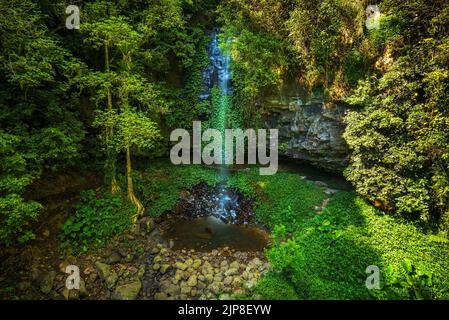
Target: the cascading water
pixel 207 217
pixel 218 74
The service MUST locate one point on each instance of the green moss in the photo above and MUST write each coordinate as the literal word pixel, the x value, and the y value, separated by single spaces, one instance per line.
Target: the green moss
pixel 283 198
pixel 276 287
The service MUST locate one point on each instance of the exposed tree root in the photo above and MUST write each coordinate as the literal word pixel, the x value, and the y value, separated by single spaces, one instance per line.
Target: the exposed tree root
pixel 139 206
pixel 115 188
pixel 132 197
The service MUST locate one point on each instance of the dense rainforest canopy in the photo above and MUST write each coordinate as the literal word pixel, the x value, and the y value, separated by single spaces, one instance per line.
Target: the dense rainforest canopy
pixel 99 97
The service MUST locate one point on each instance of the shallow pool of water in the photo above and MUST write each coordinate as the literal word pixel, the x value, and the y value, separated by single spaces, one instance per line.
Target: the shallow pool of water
pixel 208 233
pixel 333 180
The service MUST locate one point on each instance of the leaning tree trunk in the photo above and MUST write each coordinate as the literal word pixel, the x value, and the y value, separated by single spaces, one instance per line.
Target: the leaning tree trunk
pixel 110 167
pixel 131 195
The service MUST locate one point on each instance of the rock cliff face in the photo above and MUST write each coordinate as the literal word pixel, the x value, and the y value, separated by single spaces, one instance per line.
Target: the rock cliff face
pixel 309 131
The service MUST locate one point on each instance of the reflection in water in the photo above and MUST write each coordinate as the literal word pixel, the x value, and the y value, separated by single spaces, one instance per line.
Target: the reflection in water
pixel 205 234
pixel 314 173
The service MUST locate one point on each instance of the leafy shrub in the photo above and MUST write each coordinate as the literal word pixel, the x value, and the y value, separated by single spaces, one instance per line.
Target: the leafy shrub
pixel 410 284
pixel 354 67
pixel 398 134
pixel 16 215
pixel 97 219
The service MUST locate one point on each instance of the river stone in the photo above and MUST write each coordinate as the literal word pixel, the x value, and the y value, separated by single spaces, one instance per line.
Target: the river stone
pixel 236 281
pixel 330 191
pixel 201 285
pixel 192 281
pixel 130 257
pixel 47 282
pixel 186 290
pixel 93 276
pixel 69 294
pixel 250 284
pixel 196 263
pixel 141 272
pixel 156 266
pixel 238 292
pixel 128 291
pixel 235 265
pixel 218 278
pixel 69 260
pixel 207 265
pixel 227 281
pixel 83 290
pixel 106 274
pixel 160 296
pixel 180 265
pixel 209 278
pixel 114 258
pixel 215 287
pixel 168 288
pixel 155 250
pixel 164 268
pixel 257 262
pixel 179 275
pixel 231 272
pixel 189 262
pixel 321 184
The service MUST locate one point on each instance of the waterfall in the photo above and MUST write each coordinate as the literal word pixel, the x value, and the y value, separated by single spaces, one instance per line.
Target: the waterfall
pixel 218 74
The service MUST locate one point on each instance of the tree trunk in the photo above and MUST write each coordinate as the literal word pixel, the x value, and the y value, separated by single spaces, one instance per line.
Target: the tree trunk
pixel 110 167
pixel 131 195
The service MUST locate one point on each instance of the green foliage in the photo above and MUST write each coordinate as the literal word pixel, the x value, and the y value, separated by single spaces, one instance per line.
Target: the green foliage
pixel 388 32
pixel 97 219
pixel 161 184
pixel 132 129
pixel 254 36
pixel 283 198
pixel 354 67
pixel 324 46
pixel 285 254
pixel 16 216
pixel 399 138
pixel 416 284
pixel 326 255
pixel 275 286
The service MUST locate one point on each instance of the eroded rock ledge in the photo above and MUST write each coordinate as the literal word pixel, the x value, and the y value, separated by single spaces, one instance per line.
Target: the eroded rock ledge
pixel 309 131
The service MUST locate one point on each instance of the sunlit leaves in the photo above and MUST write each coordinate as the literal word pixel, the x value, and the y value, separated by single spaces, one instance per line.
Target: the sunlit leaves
pixel 131 129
